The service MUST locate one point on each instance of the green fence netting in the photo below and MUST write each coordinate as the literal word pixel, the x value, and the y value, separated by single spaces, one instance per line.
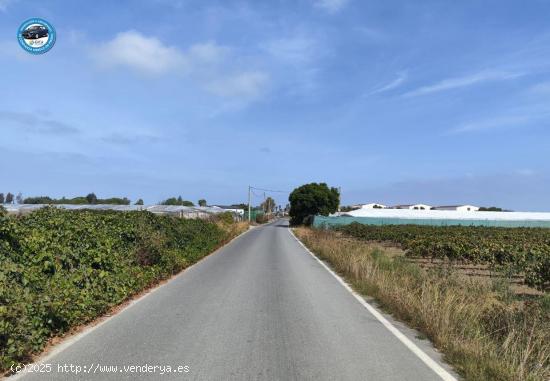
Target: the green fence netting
pixel 322 221
pixel 253 214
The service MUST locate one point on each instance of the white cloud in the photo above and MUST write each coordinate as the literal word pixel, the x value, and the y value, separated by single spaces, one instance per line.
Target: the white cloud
pixel 247 85
pixel 331 6
pixel 292 50
pixel 207 53
pixel 460 82
pixel 208 64
pixel 401 78
pixel 149 55
pixel 145 54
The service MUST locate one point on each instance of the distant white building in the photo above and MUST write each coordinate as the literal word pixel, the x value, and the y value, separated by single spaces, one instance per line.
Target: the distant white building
pixel 413 206
pixel 229 209
pixel 373 205
pixel 458 208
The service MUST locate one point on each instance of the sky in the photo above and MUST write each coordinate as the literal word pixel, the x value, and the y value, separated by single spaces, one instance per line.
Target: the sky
pixel 394 101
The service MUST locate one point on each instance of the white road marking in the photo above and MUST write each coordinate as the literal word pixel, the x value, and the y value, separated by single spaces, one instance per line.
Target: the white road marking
pixel 432 364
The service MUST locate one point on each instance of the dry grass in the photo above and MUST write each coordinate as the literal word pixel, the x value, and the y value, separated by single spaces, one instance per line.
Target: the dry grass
pixel 233 229
pixel 484 332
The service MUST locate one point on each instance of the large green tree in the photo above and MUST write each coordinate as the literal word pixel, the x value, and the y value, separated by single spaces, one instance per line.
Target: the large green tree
pixel 310 200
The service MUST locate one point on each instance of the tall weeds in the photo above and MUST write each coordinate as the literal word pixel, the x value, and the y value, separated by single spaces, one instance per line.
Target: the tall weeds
pixel 483 332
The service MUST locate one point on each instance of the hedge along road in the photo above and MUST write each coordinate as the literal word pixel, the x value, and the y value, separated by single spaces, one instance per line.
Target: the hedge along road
pixel 262 308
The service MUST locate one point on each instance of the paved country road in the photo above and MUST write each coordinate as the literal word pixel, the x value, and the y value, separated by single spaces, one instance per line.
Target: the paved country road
pixel 262 308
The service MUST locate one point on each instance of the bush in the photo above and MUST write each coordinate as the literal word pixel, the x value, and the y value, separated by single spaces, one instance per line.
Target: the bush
pixel 261 218
pixel 60 268
pixel 225 217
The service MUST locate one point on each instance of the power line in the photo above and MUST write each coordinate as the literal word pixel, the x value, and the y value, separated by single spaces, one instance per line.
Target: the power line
pixel 270 190
pixel 256 194
pixel 251 192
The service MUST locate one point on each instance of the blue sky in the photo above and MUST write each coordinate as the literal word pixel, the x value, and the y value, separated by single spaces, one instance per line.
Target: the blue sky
pixel 394 101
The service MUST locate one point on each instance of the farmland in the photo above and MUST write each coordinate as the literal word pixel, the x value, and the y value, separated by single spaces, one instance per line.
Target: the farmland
pixel 60 269
pixel 483 328
pixel 512 251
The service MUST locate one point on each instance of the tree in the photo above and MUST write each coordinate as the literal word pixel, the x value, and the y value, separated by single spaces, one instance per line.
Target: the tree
pixel 19 198
pixel 139 202
pixel 490 209
pixel 9 198
pixel 114 201
pixel 202 202
pixel 91 198
pixel 348 208
pixel 170 201
pixel 39 200
pixel 310 200
pixel 268 205
pixel 177 201
pixel 2 198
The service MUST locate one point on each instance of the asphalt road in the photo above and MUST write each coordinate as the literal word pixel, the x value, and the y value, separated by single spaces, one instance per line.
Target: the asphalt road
pixel 262 308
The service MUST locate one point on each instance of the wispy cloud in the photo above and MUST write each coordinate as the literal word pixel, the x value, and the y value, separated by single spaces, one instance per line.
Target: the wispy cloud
pixel 31 123
pixel 5 3
pixel 401 78
pixel 129 138
pixel 465 81
pixel 540 88
pixel 11 49
pixel 293 50
pixel 521 118
pixel 490 124
pixel 248 84
pixel 526 172
pixel 331 6
pixel 371 34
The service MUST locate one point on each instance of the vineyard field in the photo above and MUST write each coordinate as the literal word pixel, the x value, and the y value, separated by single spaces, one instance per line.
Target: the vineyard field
pixel 515 250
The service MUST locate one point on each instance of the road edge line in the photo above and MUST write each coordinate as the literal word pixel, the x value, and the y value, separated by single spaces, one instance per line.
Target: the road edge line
pixel 101 320
pixel 431 363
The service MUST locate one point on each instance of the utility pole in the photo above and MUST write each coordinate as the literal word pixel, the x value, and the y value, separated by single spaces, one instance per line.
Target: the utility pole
pixel 339 199
pixel 249 218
